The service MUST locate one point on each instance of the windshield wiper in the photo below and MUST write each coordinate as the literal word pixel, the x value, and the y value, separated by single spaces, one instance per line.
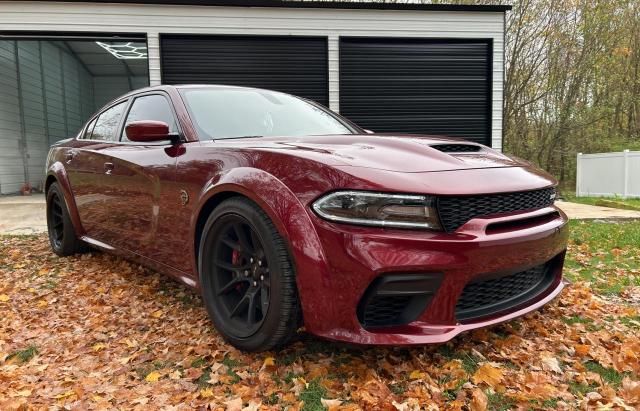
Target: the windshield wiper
pixel 233 138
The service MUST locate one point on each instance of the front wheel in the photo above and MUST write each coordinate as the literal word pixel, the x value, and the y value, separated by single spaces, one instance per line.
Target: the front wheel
pixel 247 277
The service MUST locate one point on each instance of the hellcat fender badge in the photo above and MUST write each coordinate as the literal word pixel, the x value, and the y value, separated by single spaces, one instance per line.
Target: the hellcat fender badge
pixel 184 197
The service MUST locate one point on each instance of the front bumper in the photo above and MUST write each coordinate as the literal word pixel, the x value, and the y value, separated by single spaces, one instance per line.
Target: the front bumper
pixel 355 257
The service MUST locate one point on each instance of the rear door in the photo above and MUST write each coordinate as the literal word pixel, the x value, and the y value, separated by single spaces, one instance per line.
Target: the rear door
pixel 141 186
pixel 85 166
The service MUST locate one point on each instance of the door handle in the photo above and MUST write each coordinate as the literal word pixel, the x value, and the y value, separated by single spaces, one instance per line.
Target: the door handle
pixel 108 168
pixel 69 155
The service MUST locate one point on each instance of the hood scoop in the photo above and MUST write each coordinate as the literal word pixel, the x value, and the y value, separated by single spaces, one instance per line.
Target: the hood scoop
pixel 457 148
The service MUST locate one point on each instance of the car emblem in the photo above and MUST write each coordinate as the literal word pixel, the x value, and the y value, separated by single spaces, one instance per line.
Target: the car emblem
pixel 184 197
pixel 552 196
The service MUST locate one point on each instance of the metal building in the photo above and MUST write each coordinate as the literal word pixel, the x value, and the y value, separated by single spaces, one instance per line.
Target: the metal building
pixel 396 67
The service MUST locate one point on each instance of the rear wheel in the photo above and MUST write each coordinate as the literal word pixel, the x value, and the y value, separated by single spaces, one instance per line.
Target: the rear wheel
pixel 247 277
pixel 62 236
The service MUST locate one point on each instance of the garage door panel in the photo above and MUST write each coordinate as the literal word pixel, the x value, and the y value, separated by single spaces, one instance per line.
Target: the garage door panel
pixel 296 65
pixel 417 86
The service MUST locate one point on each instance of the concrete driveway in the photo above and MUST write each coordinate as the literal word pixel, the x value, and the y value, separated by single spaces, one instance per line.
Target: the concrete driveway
pixel 26 214
pixel 23 214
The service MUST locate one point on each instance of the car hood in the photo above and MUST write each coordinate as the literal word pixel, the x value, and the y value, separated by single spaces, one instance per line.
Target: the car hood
pixel 400 153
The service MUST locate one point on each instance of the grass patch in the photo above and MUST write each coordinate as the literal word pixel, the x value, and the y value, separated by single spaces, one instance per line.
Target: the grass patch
pixel 606 250
pixel 576 319
pixel 469 363
pixel 613 202
pixel 24 355
pixel 500 402
pixel 579 389
pixel 398 388
pixel 550 403
pixel 203 380
pixel 631 322
pixel 605 235
pixel 312 396
pixel 198 362
pixel 609 375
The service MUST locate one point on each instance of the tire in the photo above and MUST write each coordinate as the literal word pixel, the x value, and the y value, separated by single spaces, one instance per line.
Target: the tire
pixel 62 236
pixel 247 274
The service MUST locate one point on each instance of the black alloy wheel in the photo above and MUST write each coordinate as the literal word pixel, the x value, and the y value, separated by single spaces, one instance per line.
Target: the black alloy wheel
pixel 55 221
pixel 247 278
pixel 62 235
pixel 242 283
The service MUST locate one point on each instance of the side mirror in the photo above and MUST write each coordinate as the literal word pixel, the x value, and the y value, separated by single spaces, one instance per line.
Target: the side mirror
pixel 148 131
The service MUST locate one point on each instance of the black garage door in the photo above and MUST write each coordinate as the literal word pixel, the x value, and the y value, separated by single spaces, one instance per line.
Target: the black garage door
pixel 417 86
pixel 296 65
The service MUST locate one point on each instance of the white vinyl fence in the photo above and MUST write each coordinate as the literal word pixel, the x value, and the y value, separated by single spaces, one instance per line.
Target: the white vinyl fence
pixel 608 174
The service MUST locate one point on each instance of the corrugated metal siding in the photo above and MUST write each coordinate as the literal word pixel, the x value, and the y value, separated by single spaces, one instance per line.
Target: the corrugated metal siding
pixel 428 86
pixel 296 65
pixel 155 19
pixel 46 96
pixel 11 164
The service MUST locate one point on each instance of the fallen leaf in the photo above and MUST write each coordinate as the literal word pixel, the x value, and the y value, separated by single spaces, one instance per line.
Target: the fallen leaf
pixel 98 347
pixel 416 375
pixel 489 374
pixel 331 405
pixel 153 376
pixel 234 404
pixel 479 400
pixel 206 393
pixel 550 363
pixel 4 298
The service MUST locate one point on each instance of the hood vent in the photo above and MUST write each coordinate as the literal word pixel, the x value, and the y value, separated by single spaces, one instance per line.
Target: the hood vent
pixel 457 148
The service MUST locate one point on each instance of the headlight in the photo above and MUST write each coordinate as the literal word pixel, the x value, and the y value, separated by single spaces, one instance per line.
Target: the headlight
pixel 379 209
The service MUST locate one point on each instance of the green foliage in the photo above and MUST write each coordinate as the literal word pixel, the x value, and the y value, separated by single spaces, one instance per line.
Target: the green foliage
pixel 24 355
pixel 312 396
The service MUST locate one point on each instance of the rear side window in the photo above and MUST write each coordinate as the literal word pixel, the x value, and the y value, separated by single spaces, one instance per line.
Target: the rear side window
pixel 106 127
pixel 89 129
pixel 152 107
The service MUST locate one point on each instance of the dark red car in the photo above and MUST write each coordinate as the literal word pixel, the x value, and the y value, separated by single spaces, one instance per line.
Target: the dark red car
pixel 282 213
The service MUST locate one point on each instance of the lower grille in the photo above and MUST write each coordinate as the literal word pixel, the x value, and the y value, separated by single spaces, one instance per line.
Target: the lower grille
pixel 485 297
pixel 397 299
pixel 383 311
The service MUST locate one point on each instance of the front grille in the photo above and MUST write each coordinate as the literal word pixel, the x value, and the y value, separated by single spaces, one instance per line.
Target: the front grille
pixel 484 297
pixel 456 148
pixel 385 310
pixel 456 210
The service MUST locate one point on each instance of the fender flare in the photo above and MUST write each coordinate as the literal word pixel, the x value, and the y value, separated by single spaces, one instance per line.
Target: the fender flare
pixel 292 222
pixel 58 172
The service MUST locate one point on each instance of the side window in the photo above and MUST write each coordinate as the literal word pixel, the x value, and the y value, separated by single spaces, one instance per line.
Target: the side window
pixel 106 127
pixel 89 129
pixel 152 107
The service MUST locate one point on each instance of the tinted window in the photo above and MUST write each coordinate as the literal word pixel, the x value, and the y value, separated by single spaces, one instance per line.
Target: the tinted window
pixel 106 127
pixel 154 107
pixel 229 113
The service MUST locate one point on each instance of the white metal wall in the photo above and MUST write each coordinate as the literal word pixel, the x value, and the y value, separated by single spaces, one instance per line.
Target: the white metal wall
pixel 608 174
pixel 156 19
pixel 37 107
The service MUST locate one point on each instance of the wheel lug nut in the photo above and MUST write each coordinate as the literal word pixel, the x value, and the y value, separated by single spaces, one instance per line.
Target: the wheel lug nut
pixel 262 278
pixel 255 283
pixel 260 262
pixel 251 260
pixel 246 273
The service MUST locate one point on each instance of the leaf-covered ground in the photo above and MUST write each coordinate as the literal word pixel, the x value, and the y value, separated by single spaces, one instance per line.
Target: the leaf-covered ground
pixel 96 332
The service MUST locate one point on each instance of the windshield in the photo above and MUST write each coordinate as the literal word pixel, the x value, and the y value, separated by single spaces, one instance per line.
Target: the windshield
pixel 234 113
